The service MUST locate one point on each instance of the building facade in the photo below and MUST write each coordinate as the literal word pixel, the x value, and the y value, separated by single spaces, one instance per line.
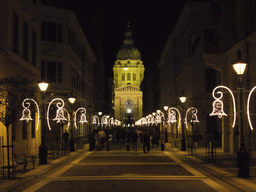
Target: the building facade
pixel 198 56
pixel 38 43
pixel 128 75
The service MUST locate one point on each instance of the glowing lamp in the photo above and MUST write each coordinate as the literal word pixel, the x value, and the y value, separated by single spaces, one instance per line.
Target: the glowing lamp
pixel 43 86
pixel 158 111
pixel 239 65
pixel 153 113
pixel 239 68
pixel 125 67
pixel 72 100
pixel 166 107
pixel 99 113
pixel 183 99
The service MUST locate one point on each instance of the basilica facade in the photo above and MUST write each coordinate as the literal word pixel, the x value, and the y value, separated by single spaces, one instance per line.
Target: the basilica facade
pixel 128 73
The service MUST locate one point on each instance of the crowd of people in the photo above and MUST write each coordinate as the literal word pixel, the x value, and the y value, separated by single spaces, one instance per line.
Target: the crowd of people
pixel 128 136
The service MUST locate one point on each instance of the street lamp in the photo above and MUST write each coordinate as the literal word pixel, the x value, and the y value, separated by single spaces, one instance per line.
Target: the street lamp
pixel 99 113
pixel 72 142
pixel 162 119
pixel 166 124
pixel 183 140
pixel 43 149
pixel 242 156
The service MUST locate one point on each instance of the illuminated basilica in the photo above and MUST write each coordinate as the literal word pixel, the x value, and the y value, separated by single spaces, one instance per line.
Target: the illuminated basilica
pixel 128 75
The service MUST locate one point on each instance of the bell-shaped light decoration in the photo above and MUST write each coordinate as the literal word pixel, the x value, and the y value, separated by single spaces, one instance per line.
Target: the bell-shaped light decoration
pixel 83 118
pixel 172 117
pixel 217 106
pixel 194 118
pixel 60 117
pixel 26 115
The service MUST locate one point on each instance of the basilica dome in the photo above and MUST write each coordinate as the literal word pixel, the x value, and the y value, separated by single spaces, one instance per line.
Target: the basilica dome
pixel 128 51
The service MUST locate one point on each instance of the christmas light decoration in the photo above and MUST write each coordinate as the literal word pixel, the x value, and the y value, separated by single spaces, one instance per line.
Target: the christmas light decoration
pixel 218 106
pixel 26 111
pixel 82 117
pixel 60 116
pixel 193 118
pixel 172 116
pixel 95 120
pixel 248 107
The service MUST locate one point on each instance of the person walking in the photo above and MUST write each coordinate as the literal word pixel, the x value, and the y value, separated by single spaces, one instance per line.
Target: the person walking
pixel 65 137
pixel 146 142
pixel 134 140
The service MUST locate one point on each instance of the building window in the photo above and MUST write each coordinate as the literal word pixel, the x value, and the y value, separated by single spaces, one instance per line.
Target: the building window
pixel 59 33
pixel 15 32
pixel 51 32
pixel 134 76
pixel 59 72
pixel 123 77
pixel 25 41
pixel 210 80
pixel 51 71
pixel 34 48
pixel 128 76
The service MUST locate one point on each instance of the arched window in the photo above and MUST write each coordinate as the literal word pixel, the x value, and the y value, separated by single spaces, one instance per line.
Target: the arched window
pixel 128 76
pixel 123 77
pixel 134 76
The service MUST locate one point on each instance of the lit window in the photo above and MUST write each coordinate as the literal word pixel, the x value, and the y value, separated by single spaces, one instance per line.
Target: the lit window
pixel 134 76
pixel 128 76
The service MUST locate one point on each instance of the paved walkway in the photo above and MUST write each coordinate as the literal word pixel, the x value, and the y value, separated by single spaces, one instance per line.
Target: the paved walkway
pixel 224 164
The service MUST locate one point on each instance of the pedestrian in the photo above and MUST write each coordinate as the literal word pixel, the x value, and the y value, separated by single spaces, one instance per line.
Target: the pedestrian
pixel 91 141
pixel 134 140
pixel 146 142
pixel 65 137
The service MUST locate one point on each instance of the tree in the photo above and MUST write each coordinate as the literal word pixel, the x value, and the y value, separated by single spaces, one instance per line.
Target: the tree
pixel 12 92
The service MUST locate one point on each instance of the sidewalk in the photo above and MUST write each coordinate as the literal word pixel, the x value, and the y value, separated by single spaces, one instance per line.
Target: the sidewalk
pixel 224 165
pixel 8 184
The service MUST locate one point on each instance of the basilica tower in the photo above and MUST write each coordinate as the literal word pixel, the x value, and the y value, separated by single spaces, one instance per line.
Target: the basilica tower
pixel 128 75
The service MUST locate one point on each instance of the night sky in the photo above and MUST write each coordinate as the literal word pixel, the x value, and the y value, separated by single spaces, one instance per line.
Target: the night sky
pixel 151 21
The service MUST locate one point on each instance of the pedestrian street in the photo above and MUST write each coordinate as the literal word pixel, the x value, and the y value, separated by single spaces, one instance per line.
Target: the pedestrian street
pixel 121 170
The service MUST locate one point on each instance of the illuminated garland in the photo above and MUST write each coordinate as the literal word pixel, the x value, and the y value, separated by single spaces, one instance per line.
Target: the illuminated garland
pixel 26 111
pixel 104 120
pixel 60 117
pixel 172 116
pixel 248 107
pixel 95 120
pixel 82 117
pixel 193 116
pixel 218 104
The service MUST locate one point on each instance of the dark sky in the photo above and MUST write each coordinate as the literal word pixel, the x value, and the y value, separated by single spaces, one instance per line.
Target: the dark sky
pixel 151 22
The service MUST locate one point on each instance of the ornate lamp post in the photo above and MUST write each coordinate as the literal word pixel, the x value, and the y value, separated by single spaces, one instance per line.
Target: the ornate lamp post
pixel 183 140
pixel 166 124
pixel 99 113
pixel 43 149
pixel 242 155
pixel 72 142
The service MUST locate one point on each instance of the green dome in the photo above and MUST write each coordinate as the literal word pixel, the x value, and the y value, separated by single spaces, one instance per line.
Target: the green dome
pixel 128 53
